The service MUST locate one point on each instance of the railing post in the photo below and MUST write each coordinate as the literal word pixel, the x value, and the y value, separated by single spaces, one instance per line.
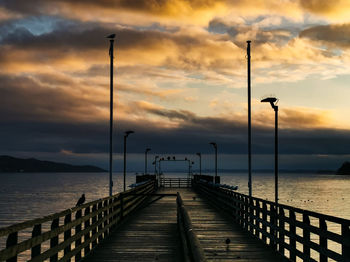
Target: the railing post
pixel 292 241
pixel 273 226
pixel 345 232
pixel 36 250
pixel 54 240
pixel 306 237
pixel 78 215
pixel 87 235
pixel 12 240
pixel 99 218
pixel 264 218
pixel 67 233
pixel 121 205
pixel 256 210
pixel 105 214
pixel 93 223
pixel 246 214
pixel 323 240
pixel 281 228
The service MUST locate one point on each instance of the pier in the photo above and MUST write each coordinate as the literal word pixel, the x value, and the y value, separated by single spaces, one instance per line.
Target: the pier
pixel 187 219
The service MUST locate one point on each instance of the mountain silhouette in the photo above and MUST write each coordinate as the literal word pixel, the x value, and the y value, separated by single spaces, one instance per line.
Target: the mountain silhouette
pixel 13 164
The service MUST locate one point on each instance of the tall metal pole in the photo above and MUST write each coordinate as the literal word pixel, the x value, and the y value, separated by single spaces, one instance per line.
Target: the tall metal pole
pixel 276 155
pixel 146 151
pixel 111 40
pixel 249 125
pixel 200 163
pixel 124 177
pixel 216 163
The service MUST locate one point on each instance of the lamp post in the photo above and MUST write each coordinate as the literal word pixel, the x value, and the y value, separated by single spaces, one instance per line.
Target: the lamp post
pixel 273 102
pixel 146 151
pixel 216 159
pixel 200 163
pixel 127 133
pixel 111 41
pixel 155 164
pixel 249 123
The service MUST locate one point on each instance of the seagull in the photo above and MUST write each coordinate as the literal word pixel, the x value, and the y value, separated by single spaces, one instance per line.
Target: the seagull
pixel 111 36
pixel 81 200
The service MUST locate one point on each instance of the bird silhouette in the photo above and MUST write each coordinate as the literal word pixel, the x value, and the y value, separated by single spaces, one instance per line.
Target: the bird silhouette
pixel 111 36
pixel 81 200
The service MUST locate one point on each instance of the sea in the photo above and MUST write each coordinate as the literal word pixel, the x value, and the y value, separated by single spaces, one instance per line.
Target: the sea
pixel 25 196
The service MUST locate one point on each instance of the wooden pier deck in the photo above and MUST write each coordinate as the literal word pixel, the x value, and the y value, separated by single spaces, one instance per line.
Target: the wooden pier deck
pixel 188 219
pixel 152 234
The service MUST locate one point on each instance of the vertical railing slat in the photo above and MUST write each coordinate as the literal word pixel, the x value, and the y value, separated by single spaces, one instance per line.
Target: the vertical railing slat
pixel 12 240
pixel 93 223
pixel 306 237
pixel 292 230
pixel 78 215
pixel 264 218
pixel 273 226
pixel 87 235
pixel 99 218
pixel 281 228
pixel 105 214
pixel 323 240
pixel 36 250
pixel 67 233
pixel 54 240
pixel 345 232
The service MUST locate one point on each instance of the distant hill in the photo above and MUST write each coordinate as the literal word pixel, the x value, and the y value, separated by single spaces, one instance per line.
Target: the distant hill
pixel 13 164
pixel 344 169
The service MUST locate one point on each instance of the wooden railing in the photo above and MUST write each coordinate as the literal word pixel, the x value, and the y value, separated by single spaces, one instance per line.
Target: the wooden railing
pixel 175 182
pixel 295 233
pixel 72 233
pixel 190 243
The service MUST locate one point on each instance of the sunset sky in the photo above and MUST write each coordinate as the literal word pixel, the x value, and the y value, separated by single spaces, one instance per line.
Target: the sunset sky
pixel 180 80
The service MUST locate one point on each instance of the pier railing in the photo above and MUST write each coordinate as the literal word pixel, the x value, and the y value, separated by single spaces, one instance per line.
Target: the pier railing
pixel 293 232
pixel 191 245
pixel 72 233
pixel 175 182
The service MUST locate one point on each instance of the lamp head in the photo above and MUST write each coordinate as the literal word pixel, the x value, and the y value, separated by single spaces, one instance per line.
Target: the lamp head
pixel 214 144
pixel 148 149
pixel 269 100
pixel 272 100
pixel 198 154
pixel 127 133
pixel 112 36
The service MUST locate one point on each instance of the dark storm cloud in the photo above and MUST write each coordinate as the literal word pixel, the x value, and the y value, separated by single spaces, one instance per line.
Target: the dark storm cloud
pixel 337 35
pixel 37 119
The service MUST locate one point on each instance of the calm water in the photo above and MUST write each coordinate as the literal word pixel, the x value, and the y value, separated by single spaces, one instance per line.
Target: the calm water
pixel 29 196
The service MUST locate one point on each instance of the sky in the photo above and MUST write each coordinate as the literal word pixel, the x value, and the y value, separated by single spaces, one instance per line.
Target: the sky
pixel 180 80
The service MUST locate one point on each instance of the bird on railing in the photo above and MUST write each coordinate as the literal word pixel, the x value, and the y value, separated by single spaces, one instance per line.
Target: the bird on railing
pixel 81 200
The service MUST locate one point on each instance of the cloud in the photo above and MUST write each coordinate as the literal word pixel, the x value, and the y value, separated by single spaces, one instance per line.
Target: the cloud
pixel 336 36
pixel 336 9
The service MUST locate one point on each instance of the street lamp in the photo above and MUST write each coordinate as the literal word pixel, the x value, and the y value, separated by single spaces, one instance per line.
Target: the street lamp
pixel 111 41
pixel 146 151
pixel 200 163
pixel 127 133
pixel 155 164
pixel 216 159
pixel 273 102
